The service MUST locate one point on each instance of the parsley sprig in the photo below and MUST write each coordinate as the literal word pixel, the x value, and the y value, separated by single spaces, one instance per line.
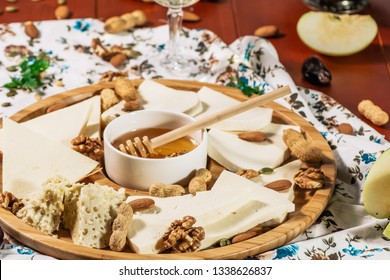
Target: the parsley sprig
pixel 242 84
pixel 31 68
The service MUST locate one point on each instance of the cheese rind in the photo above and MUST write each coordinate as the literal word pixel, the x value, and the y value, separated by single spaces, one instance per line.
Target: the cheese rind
pixel 233 205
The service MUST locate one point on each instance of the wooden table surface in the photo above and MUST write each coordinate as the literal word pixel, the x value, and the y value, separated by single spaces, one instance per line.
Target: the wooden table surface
pixel 365 75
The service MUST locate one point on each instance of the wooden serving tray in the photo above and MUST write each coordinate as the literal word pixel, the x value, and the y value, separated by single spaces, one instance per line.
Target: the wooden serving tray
pixel 309 203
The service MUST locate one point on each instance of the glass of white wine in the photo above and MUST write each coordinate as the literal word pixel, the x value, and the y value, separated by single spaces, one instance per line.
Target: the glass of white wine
pixel 174 61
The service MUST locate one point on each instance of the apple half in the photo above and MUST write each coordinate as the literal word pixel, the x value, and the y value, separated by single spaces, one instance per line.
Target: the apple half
pixel 335 34
pixel 376 189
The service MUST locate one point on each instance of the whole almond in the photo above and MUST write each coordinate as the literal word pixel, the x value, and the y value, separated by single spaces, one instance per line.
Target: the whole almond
pixel 62 12
pixel 243 236
pixel 31 30
pixel 267 31
pixel 142 204
pixel 254 136
pixel 279 185
pixel 345 128
pixel 118 60
pixel 190 17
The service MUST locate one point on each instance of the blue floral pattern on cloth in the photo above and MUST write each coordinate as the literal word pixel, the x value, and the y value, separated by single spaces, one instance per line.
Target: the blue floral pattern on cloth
pixel 343 231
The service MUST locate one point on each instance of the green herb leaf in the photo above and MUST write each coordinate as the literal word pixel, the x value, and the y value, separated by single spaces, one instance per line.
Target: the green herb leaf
pixel 30 70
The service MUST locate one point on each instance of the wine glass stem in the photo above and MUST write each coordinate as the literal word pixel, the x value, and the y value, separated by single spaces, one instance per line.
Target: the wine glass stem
pixel 175 19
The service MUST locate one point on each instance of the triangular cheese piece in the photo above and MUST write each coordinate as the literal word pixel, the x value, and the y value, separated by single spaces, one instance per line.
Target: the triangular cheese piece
pixel 157 96
pixel 63 125
pixel 30 158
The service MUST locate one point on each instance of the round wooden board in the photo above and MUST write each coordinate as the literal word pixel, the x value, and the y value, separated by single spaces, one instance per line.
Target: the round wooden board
pixel 309 204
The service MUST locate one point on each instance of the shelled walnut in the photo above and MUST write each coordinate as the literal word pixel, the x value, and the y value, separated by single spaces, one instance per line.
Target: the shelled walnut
pixel 10 202
pixel 248 173
pixel 90 147
pixel 311 178
pixel 182 237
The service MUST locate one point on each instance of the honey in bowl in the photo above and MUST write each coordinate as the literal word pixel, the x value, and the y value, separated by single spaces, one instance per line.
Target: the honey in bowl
pixel 175 148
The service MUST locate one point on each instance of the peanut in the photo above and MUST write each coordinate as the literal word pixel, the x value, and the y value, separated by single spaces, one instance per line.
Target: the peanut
pixel 163 190
pixel 199 182
pixel 129 19
pixel 120 227
pixel 108 98
pixel 125 89
pixel 300 147
pixel 140 17
pixel 373 112
pixel 114 25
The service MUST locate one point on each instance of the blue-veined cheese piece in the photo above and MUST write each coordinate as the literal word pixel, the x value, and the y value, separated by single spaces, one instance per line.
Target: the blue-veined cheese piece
pixel 214 101
pixel 234 154
pixel 234 205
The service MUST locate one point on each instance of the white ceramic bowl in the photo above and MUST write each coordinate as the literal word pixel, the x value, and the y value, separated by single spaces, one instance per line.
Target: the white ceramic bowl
pixel 139 173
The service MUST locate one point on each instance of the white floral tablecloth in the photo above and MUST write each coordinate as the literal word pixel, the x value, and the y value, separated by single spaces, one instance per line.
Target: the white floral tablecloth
pixel 343 231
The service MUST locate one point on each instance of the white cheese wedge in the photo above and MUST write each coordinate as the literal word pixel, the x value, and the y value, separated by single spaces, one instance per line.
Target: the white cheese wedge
pixel 29 158
pixel 89 213
pixel 234 154
pixel 65 124
pixel 214 101
pixel 62 125
pixel 234 204
pixel 160 97
pixel 284 172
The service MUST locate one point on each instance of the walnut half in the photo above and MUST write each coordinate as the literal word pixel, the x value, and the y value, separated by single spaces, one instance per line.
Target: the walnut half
pixel 182 237
pixel 90 147
pixel 311 178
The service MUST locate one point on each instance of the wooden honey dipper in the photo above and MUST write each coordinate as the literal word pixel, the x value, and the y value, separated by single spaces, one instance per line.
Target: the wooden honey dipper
pixel 141 148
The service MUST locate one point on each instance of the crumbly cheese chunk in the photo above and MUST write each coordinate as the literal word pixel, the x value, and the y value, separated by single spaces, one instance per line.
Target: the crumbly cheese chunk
pixel 89 213
pixel 43 210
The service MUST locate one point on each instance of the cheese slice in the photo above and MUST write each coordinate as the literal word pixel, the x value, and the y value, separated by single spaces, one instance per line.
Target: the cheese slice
pixel 234 154
pixel 214 101
pixel 160 97
pixel 284 172
pixel 62 125
pixel 30 158
pixel 65 124
pixel 234 204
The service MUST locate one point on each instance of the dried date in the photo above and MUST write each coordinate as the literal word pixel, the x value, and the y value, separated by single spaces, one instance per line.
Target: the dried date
pixel 315 72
